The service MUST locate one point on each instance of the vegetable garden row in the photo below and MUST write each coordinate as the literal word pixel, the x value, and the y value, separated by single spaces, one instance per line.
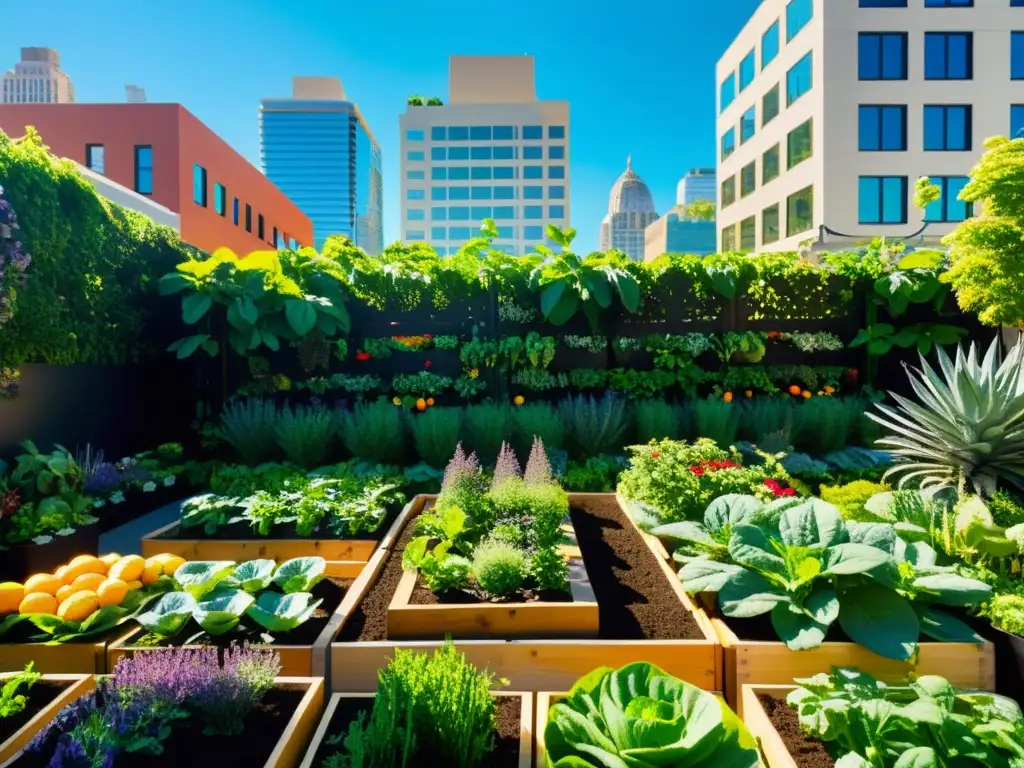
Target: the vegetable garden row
pixel 488 511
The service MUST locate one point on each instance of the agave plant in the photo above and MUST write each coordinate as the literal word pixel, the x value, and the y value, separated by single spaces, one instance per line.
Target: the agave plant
pixel 968 426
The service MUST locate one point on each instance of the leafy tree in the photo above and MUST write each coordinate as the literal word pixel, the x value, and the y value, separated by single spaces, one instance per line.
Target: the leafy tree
pixel 987 251
pixel 702 210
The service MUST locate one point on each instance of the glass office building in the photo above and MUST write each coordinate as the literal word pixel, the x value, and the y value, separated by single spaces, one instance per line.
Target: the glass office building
pixel 321 154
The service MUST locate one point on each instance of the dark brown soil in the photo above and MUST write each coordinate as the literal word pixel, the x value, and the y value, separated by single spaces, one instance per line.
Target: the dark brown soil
pixel 330 590
pixel 473 595
pixel 188 746
pixel 508 721
pixel 246 531
pixel 36 698
pixel 806 752
pixel 635 600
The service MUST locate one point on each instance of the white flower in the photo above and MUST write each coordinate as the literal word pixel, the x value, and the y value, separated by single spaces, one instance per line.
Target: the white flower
pixel 148 487
pixel 65 531
pixel 116 497
pixel 169 481
pixel 99 503
pixel 42 539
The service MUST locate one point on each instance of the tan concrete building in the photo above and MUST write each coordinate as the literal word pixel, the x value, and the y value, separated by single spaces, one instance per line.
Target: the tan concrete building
pixel 37 79
pixel 829 112
pixel 494 150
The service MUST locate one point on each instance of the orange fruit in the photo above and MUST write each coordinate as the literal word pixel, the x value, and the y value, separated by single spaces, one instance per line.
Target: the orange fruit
pixel 518 399
pixel 60 573
pixel 112 592
pixel 430 402
pixel 83 564
pixel 79 606
pixel 133 585
pixel 794 389
pixel 65 592
pixel 43 582
pixel 829 390
pixel 88 581
pixel 38 602
pixel 11 595
pixel 421 404
pixel 128 568
pixel 152 571
pixel 111 558
pixel 727 397
pixel 805 395
pixel 749 393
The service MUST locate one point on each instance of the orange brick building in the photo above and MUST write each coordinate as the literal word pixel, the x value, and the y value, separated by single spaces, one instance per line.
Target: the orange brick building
pixel 164 152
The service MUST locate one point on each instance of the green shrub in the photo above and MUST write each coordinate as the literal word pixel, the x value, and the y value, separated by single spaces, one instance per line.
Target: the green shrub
pixel 375 432
pixel 305 434
pixel 1006 510
pixel 537 420
pixel 594 426
pixel 717 420
pixel 544 504
pixel 499 567
pixel 239 480
pixel 487 425
pixel 436 433
pixel 825 424
pixel 250 427
pixel 598 474
pixel 1007 613
pixel 655 420
pixel 850 499
pixel 768 423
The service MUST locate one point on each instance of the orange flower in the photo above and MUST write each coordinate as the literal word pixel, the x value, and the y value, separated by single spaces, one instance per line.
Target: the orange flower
pixel 828 390
pixel 794 389
pixel 421 404
pixel 749 393
pixel 518 399
pixel 727 397
pixel 430 401
pixel 474 373
pixel 806 395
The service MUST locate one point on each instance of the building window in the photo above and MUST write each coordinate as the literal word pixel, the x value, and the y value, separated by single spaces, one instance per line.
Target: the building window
pixel 504 153
pixel 556 131
pixel 458 174
pixel 458 233
pixel 949 208
pixel 414 134
pixel 948 56
pixel 533 172
pixel 144 169
pixel 480 212
pixel 948 3
pixel 533 211
pixel 882 128
pixel 458 193
pixel 439 193
pixel 770 106
pixel 748 179
pixel 415 155
pixel 770 224
pixel 248 218
pixel 556 171
pixel 728 191
pixel 479 153
pixel 748 234
pixel 533 153
pixel 275 240
pixel 458 133
pixel 1016 114
pixel 480 172
pixel 504 212
pixel 438 233
pixel 504 172
pixel 416 214
pixel 533 193
pixel 199 185
pixel 413 235
pixel 95 158
pixel 799 144
pixel 556 193
pixel 220 199
pixel 480 193
pixel 418 175
pixel 947 128
pixel 437 214
pixel 458 153
pixel 556 211
pixel 748 123
pixel 729 238
pixel 415 194
pixel 259 226
pixel 799 79
pixel 504 193
pixel 727 92
pixel 770 165
pixel 533 132
pixel 882 56
pixel 800 211
pixel 883 3
pixel 748 68
pixel 770 45
pixel 504 132
pixel 533 233
pixel 556 153
pixel 458 213
pixel 479 133
pixel 728 143
pixel 1017 55
pixel 234 215
pixel 798 14
pixel 882 200
pixel 438 133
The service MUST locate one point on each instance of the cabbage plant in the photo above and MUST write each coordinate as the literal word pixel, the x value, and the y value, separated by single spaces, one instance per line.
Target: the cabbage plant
pixel 640 717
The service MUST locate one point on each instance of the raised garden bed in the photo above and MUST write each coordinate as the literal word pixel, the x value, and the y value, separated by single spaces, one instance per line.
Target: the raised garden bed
pixel 345 556
pixel 81 657
pixel 45 699
pixel 513 728
pixel 275 735
pixel 138 503
pixel 777 729
pixel 644 615
pixel 19 562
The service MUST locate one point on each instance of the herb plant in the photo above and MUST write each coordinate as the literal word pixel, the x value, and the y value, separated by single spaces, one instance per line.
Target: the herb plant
pixel 11 701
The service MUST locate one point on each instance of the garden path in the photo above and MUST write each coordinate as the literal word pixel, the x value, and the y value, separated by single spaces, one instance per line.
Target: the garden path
pixel 126 539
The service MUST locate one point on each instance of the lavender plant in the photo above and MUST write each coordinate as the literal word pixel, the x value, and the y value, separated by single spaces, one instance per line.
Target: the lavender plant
pixel 506 467
pixel 538 468
pixel 99 477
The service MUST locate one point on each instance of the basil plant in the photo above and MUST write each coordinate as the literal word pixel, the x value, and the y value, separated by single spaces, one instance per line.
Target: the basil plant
pixel 640 717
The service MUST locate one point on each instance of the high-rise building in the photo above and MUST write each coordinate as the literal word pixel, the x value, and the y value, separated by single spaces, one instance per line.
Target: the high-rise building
pixel 164 153
pixel 676 232
pixel 630 211
pixel 317 147
pixel 493 152
pixel 37 79
pixel 830 111
pixel 697 184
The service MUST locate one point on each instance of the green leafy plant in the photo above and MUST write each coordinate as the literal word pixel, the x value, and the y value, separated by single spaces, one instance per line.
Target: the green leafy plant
pixel 718 420
pixel 250 427
pixel 537 420
pixel 850 499
pixel 282 613
pixel 640 716
pixel 305 434
pixel 594 425
pixel 655 420
pixel 436 433
pixel 12 702
pixel 593 344
pixel 421 384
pixel 597 474
pixel 540 350
pixel 222 610
pixel 375 432
pixel 487 425
pixel 499 568
pixel 880 338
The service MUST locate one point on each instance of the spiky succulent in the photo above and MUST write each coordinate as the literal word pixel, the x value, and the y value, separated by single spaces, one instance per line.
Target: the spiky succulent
pixel 968 426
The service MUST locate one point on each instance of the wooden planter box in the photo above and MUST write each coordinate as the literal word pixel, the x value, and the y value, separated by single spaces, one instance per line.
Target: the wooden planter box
pixel 525 727
pixel 76 658
pixel 534 665
pixel 774 753
pixel 79 686
pixel 345 557
pixel 579 618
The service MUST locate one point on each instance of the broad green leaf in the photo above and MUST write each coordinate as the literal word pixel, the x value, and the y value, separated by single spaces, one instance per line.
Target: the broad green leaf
pixel 812 523
pixel 748 594
pixel 796 629
pixel 823 604
pixel 951 589
pixel 685 530
pixel 847 559
pixel 194 306
pixel 562 308
pixel 199 577
pixel 223 610
pixel 242 341
pixel 169 614
pixel 254 575
pixel 453 521
pixel 300 574
pixel 237 318
pixel 750 546
pixel 878 535
pixel 190 344
pixel 918 757
pixel 941 626
pixel 301 316
pixel 880 620
pixel 597 284
pixel 701 575
pixel 629 291
pixel 283 613
pixel 172 283
pixel 731 509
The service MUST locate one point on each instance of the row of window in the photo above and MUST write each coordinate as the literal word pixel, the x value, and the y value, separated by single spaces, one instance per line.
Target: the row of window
pixel 478 173
pixel 482 193
pixel 931 3
pixel 798 15
pixel 884 200
pixel 535 232
pixel 485 133
pixel 947 55
pixel 947 127
pixel 799 218
pixel 556 152
pixel 799 80
pixel 96 160
pixel 200 187
pixel 799 147
pixel 481 212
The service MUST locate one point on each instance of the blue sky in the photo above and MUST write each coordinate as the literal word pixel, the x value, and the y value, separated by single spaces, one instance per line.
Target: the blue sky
pixel 639 78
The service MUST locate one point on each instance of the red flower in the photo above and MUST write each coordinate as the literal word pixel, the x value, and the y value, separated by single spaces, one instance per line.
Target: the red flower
pixel 788 492
pixel 697 470
pixel 10 503
pixel 774 334
pixel 428 335
pixel 363 356
pixel 655 455
pixel 426 364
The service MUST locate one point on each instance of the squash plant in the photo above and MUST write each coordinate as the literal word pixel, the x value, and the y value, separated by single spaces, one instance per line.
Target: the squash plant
pixel 267 298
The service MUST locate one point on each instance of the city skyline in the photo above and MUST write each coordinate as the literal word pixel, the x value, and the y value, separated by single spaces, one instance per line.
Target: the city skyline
pixel 666 133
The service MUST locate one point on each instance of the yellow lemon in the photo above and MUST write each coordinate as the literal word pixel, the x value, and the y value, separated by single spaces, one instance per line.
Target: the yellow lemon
pixel 112 592
pixel 133 585
pixel 38 602
pixel 65 592
pixel 170 562
pixel 83 564
pixel 11 595
pixel 110 558
pixel 79 606
pixel 43 582
pixel 154 570
pixel 88 581
pixel 60 573
pixel 128 568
